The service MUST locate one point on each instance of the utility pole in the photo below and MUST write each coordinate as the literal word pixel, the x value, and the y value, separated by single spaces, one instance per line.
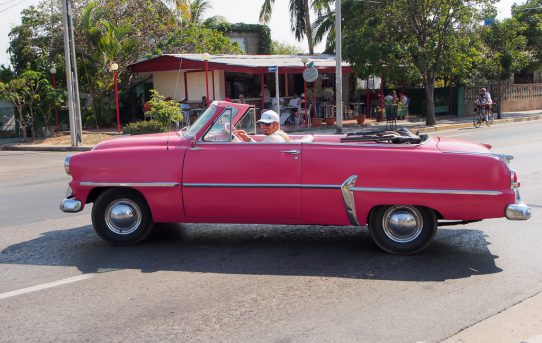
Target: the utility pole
pixel 72 84
pixel 338 68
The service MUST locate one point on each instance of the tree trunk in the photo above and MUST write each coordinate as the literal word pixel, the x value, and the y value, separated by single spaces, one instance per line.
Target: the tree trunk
pixel 308 27
pixel 429 86
pixel 499 98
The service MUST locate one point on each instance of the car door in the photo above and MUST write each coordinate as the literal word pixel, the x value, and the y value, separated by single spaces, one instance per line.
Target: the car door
pixel 246 182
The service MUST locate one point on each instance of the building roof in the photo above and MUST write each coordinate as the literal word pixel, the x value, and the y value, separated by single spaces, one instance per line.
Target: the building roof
pixel 253 64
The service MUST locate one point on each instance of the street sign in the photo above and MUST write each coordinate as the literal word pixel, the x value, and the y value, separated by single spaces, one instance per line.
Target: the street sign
pixel 310 74
pixel 272 69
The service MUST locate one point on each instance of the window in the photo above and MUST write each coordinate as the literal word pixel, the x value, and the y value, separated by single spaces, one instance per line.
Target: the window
pixel 221 130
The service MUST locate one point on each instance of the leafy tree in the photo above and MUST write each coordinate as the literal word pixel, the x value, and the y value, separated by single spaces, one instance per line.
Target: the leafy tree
pixel 123 31
pixel 505 52
pixel 167 112
pixel 300 22
pixel 6 73
pixel 416 34
pixel 26 94
pixel 530 15
pixel 193 38
pixel 278 48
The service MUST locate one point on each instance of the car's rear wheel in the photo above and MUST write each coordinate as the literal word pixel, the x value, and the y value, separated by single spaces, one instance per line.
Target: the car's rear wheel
pixel 121 217
pixel 402 229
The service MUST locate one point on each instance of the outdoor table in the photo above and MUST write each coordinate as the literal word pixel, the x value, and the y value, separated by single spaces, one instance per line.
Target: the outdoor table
pixel 358 108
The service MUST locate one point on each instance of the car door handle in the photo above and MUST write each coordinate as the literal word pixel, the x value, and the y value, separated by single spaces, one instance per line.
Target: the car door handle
pixel 196 148
pixel 291 152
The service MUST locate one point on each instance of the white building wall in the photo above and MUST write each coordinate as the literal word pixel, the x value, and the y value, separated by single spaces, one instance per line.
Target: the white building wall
pixel 171 84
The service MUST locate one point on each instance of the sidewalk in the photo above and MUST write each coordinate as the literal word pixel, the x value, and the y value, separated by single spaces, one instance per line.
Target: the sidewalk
pixel 412 123
pixel 418 123
pixel 521 323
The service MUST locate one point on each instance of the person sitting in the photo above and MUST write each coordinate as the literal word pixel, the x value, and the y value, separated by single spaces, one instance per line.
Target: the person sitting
pixel 391 98
pixel 484 102
pixel 242 99
pixel 270 124
pixel 295 101
pixel 203 103
pixel 185 108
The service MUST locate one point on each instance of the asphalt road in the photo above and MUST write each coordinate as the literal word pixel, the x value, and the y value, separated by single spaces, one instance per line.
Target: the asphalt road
pixel 248 283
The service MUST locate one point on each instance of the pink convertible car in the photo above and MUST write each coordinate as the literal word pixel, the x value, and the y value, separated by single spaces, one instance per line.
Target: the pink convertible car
pixel 402 186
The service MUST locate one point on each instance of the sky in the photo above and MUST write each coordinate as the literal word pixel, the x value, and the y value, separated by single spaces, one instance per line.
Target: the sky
pixel 246 11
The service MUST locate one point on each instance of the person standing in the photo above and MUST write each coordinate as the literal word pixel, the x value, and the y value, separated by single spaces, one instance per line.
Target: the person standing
pixel 266 97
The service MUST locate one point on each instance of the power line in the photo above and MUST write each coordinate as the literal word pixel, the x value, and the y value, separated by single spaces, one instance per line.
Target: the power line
pixel 7 8
pixel 7 2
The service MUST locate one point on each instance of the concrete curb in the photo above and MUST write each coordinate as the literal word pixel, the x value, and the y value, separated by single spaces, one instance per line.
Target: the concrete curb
pixel 44 148
pixel 521 322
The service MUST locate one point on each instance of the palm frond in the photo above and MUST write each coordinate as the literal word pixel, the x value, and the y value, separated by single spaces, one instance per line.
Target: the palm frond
pixel 266 10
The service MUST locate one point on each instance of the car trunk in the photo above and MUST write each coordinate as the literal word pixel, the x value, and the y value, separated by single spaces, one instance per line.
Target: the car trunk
pixel 454 145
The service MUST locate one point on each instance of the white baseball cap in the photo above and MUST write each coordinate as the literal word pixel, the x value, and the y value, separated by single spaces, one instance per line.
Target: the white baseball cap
pixel 269 117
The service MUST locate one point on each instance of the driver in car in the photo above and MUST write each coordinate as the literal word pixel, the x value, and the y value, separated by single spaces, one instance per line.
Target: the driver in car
pixel 270 124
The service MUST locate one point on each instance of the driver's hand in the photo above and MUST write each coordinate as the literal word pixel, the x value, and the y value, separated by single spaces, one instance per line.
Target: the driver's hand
pixel 242 135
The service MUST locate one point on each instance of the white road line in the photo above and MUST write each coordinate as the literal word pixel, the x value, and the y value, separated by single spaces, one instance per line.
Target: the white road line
pixel 45 286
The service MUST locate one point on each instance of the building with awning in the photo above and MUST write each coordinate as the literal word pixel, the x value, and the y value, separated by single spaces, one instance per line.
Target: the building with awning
pixel 188 76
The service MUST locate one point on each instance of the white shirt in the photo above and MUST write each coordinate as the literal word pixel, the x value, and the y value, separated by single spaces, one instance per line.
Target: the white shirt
pixel 266 95
pixel 278 136
pixel 294 102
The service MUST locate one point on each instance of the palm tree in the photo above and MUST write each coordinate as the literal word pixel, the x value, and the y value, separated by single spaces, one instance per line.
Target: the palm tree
pixel 300 22
pixel 193 10
pixel 324 24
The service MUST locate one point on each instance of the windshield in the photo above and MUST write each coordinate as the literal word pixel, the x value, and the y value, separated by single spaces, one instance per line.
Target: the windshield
pixel 200 122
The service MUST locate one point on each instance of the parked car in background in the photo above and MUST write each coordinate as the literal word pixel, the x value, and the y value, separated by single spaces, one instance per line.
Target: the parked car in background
pixel 401 185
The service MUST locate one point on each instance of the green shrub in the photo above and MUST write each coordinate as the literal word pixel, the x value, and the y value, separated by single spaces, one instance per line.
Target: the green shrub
pixel 167 112
pixel 144 127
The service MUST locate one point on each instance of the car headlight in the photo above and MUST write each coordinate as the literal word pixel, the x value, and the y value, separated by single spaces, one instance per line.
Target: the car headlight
pixel 67 164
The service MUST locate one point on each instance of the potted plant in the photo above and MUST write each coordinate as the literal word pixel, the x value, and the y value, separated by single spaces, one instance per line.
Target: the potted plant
pixel 361 119
pixel 329 121
pixel 316 122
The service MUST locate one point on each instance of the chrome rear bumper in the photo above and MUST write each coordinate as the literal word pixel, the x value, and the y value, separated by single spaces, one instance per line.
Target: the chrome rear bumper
pixel 518 211
pixel 71 205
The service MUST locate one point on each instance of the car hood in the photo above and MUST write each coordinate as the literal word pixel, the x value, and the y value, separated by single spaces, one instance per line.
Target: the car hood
pixel 455 145
pixel 129 142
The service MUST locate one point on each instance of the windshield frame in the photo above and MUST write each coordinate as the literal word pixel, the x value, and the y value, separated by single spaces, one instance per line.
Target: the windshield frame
pixel 200 123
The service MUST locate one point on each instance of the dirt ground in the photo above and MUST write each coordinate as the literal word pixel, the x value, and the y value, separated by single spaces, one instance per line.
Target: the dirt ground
pixel 64 139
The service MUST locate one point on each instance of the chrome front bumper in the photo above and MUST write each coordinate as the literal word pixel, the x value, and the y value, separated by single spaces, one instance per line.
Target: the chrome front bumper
pixel 71 205
pixel 518 211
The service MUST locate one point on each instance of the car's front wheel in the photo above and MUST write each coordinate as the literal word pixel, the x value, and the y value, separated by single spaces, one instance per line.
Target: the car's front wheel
pixel 402 229
pixel 121 217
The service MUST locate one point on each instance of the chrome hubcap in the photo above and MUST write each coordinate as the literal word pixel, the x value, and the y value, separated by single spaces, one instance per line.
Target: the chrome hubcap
pixel 402 224
pixel 123 216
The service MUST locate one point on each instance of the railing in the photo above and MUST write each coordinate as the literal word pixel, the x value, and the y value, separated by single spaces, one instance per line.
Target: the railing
pixel 510 92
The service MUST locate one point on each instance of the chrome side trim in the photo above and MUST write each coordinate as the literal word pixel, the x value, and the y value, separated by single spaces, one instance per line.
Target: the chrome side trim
pixel 341 187
pixel 503 157
pixel 259 185
pixel 426 191
pixel 242 185
pixel 128 184
pixel 321 186
pixel 348 197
